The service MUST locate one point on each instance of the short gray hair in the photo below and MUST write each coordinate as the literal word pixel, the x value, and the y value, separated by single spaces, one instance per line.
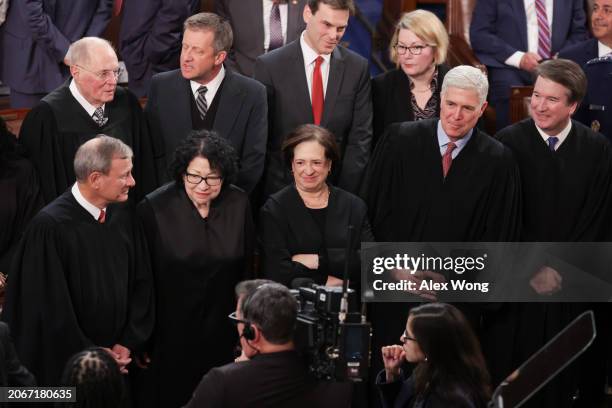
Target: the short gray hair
pixel 247 287
pixel 97 154
pixel 468 78
pixel 79 52
pixel 220 27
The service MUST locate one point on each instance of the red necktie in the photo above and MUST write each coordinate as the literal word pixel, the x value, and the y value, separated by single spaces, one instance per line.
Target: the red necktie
pixel 317 92
pixel 102 217
pixel 447 159
pixel 544 46
pixel 117 5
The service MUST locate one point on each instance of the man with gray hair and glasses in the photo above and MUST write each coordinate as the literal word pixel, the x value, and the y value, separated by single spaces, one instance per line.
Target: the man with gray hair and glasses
pixel 441 180
pixel 80 276
pixel 88 104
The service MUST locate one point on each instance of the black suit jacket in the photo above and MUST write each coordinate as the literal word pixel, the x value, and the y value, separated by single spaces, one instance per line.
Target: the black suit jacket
pixel 268 380
pixel 581 53
pixel 241 118
pixel 246 18
pixel 288 229
pixel 391 99
pixel 347 110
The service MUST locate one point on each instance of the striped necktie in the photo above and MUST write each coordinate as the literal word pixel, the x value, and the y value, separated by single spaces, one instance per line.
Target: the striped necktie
pixel 544 47
pixel 201 101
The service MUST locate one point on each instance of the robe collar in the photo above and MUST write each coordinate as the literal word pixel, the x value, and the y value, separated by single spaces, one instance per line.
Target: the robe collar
pixel 89 207
pixel 89 108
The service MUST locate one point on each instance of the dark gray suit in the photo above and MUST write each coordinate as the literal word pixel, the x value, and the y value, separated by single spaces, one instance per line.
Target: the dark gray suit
pixel 36 36
pixel 246 18
pixel 347 111
pixel 241 118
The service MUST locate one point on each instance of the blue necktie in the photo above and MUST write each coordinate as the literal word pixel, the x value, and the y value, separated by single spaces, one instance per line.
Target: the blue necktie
pixel 552 142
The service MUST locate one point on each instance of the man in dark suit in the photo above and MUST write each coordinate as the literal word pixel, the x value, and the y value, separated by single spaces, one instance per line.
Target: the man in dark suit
pixel 273 375
pixel 257 25
pixel 601 44
pixel 35 40
pixel 315 80
pixel 511 40
pixel 150 38
pixel 202 94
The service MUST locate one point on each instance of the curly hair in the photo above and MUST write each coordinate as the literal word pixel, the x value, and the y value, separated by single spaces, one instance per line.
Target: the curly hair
pixel 209 145
pixel 97 379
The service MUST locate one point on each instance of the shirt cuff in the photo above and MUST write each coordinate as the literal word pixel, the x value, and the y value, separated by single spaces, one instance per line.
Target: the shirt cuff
pixel 515 59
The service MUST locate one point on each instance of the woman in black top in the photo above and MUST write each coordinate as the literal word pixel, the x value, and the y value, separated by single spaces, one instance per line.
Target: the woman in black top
pixel 412 90
pixel 450 369
pixel 305 225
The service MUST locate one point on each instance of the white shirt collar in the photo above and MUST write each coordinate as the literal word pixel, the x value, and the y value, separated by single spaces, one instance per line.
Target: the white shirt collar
pixel 603 49
pixel 92 209
pixel 212 86
pixel 309 54
pixel 74 90
pixel 562 135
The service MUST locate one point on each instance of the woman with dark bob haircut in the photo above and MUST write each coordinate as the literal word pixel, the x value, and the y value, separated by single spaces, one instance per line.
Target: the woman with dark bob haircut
pixel 450 369
pixel 96 376
pixel 200 236
pixel 304 226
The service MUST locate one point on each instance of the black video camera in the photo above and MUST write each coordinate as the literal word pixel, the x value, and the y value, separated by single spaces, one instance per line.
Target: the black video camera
pixel 336 343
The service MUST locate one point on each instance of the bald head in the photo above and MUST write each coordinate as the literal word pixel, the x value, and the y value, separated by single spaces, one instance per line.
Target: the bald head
pixel 81 51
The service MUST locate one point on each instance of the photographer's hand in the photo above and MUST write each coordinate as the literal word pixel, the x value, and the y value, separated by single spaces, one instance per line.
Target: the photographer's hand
pixel 311 261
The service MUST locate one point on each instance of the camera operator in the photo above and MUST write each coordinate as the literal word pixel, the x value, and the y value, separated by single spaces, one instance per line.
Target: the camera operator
pixel 274 375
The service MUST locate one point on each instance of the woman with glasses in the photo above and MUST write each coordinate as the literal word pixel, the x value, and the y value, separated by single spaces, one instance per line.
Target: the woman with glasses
pixel 199 231
pixel 412 90
pixel 450 369
pixel 304 226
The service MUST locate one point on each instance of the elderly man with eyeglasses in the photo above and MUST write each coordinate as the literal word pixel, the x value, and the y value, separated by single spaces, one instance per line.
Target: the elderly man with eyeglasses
pixel 88 104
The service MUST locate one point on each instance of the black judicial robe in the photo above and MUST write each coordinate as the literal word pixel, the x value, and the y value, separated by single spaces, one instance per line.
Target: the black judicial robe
pixel 76 283
pixel 567 197
pixel 409 200
pixel 196 263
pixel 55 128
pixel 20 200
pixel 287 229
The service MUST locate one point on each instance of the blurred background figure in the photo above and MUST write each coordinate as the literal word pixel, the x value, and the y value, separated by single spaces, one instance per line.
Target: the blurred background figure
pixel 450 368
pixel 97 379
pixel 35 40
pixel 150 38
pixel 260 27
pixel 304 226
pixel 412 90
pixel 200 234
pixel 21 198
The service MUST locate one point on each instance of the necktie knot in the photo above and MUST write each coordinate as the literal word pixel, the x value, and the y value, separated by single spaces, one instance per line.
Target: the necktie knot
pixel 202 90
pixel 552 142
pixel 318 62
pixel 102 217
pixel 98 116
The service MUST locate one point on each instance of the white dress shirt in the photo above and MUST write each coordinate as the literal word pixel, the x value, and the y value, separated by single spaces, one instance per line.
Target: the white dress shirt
pixel 603 49
pixel 92 209
pixel 310 57
pixel 212 87
pixel 89 108
pixel 562 135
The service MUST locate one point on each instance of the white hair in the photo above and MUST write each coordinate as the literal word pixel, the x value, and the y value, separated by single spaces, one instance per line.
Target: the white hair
pixel 80 51
pixel 469 78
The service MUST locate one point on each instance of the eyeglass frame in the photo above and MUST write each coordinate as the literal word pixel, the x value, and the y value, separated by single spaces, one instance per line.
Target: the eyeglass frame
pixel 406 338
pixel 104 74
pixel 204 179
pixel 398 47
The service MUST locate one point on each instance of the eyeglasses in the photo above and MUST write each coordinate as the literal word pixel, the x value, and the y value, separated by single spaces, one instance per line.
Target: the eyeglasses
pixel 404 338
pixel 235 320
pixel 414 50
pixel 211 181
pixel 105 75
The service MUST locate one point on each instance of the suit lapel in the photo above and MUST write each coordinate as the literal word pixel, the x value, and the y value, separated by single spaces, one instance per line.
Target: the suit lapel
pixel 231 100
pixel 255 9
pixel 178 105
pixel 557 35
pixel 299 83
pixel 521 20
pixel 336 73
pixel 294 15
